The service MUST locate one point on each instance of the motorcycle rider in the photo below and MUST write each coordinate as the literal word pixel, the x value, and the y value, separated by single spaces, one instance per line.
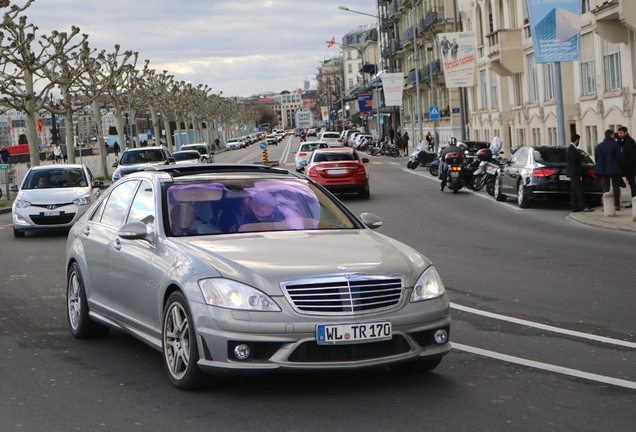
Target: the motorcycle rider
pixel 452 147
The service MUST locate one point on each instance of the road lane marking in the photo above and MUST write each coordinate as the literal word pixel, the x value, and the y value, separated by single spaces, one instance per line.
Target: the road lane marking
pixel 545 366
pixel 487 197
pixel 377 163
pixel 5 226
pixel 549 328
pixel 395 163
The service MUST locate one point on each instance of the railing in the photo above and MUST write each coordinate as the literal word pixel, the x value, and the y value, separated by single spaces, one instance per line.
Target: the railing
pixel 393 7
pixel 493 38
pixel 480 51
pixel 408 34
pixel 433 16
pixel 411 77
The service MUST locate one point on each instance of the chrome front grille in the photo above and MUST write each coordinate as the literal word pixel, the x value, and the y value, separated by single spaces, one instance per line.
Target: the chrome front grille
pixel 344 294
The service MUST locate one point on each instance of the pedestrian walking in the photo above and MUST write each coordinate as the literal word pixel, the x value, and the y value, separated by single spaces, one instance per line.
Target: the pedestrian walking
pixel 574 160
pixel 116 148
pixel 608 165
pixel 64 154
pixel 628 159
pixel 5 155
pixel 429 140
pixel 57 151
pixel 391 134
pixel 405 142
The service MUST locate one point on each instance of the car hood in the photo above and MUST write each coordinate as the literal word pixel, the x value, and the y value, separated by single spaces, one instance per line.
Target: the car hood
pixel 128 169
pixel 263 260
pixel 53 195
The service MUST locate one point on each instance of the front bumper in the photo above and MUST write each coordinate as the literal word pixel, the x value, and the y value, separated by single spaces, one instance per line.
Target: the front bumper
pixel 290 344
pixel 34 217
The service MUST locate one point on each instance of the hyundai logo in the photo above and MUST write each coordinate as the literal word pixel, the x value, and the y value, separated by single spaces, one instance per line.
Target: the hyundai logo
pixel 51 207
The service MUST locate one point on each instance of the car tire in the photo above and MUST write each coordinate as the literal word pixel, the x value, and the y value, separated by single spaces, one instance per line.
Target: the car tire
pixel 522 198
pixel 180 352
pixel 365 194
pixel 498 195
pixel 79 322
pixel 17 233
pixel 416 366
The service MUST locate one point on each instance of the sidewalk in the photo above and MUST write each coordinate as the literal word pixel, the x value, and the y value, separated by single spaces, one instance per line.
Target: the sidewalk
pixel 621 222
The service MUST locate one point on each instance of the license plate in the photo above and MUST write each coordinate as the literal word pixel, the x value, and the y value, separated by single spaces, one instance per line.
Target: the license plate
pixel 51 213
pixel 564 178
pixel 337 171
pixel 454 174
pixel 353 333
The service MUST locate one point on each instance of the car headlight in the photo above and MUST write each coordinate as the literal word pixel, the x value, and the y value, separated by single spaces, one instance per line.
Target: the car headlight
pixel 235 295
pixel 22 204
pixel 428 286
pixel 85 200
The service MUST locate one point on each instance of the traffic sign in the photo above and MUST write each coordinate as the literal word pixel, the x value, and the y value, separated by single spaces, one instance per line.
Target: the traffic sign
pixel 455 110
pixel 263 145
pixel 4 167
pixel 433 113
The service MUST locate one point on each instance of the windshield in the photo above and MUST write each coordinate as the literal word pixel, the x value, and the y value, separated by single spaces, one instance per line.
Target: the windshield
pixel 186 155
pixel 334 156
pixel 142 157
pixel 312 146
pixel 55 178
pixel 200 149
pixel 249 205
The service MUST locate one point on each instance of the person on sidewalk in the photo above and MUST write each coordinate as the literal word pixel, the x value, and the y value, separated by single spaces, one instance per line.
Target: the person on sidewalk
pixel 574 159
pixel 628 158
pixel 608 165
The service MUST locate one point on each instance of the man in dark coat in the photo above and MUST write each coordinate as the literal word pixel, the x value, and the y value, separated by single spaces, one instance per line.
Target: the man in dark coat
pixel 608 165
pixel 628 159
pixel 574 159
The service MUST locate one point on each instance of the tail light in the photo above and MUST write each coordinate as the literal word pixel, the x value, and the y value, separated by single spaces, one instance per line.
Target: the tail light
pixel 590 173
pixel 302 154
pixel 361 170
pixel 312 172
pixel 339 141
pixel 543 172
pixel 456 168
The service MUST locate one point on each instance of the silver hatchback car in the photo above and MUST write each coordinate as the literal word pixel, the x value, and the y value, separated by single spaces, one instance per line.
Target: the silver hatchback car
pixel 242 269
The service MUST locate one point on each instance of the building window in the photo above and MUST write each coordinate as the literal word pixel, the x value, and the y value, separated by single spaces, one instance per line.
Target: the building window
pixel 516 89
pixel 586 6
pixel 349 68
pixel 476 135
pixel 591 136
pixel 350 82
pixel 612 71
pixel 533 85
pixel 548 81
pixel 521 137
pixel 494 93
pixel 483 84
pixel 588 78
pixel 487 135
pixel 552 136
pixel 536 136
pixel 348 55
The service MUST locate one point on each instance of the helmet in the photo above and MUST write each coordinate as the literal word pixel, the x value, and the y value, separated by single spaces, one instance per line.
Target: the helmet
pixel 452 141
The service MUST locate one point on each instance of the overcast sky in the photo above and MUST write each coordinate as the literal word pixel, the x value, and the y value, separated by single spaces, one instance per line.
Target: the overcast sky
pixel 238 47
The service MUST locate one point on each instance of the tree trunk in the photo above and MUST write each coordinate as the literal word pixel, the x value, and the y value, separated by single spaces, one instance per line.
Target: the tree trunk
pixel 97 117
pixel 155 125
pixel 178 142
pixel 31 120
pixel 166 124
pixel 120 127
pixel 68 123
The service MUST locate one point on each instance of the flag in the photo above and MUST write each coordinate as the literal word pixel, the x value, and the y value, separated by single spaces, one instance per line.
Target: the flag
pixel 332 42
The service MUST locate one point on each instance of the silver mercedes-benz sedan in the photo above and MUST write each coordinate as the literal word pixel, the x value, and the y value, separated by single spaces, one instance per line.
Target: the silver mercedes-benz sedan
pixel 242 269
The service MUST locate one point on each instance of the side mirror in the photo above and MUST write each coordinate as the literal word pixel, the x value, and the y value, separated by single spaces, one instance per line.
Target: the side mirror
pixel 370 220
pixel 365 160
pixel 294 152
pixel 170 161
pixel 98 184
pixel 14 188
pixel 114 164
pixel 133 231
pixel 303 163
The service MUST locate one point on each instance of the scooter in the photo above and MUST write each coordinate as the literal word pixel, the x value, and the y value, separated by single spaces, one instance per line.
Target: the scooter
pixel 454 171
pixel 421 157
pixel 487 172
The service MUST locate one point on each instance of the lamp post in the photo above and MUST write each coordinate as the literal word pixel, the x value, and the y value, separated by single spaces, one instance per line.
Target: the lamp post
pixel 346 9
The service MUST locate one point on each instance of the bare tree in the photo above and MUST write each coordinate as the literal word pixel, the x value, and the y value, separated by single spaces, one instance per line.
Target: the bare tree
pixel 21 67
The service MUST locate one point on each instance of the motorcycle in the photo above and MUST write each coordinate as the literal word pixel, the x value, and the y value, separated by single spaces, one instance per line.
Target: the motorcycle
pixel 489 165
pixel 387 149
pixel 421 157
pixel 455 171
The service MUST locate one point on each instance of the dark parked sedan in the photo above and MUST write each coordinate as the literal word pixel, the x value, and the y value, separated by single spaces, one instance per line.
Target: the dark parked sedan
pixel 537 172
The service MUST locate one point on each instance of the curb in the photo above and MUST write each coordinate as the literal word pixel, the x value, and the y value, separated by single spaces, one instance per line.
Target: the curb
pixel 600 225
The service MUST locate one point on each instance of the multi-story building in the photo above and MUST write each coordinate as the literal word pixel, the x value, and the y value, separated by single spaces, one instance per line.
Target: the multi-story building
pixel 287 105
pixel 352 57
pixel 515 97
pixel 330 88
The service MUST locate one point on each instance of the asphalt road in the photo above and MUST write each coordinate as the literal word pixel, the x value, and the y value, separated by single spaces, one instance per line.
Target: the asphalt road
pixel 543 330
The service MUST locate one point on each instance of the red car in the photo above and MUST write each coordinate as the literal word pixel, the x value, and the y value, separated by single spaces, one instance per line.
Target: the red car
pixel 340 170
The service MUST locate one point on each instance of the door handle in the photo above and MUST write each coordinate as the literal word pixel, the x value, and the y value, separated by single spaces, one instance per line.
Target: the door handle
pixel 117 245
pixel 87 231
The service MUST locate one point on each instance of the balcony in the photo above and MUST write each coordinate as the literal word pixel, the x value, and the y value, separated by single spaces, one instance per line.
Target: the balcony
pixel 393 47
pixel 408 34
pixel 431 22
pixel 434 68
pixel 505 51
pixel 394 10
pixel 412 76
pixel 613 19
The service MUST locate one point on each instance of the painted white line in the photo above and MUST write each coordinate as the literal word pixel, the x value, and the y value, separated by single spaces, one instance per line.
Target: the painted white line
pixel 544 326
pixel 545 366
pixel 482 196
pixel 283 159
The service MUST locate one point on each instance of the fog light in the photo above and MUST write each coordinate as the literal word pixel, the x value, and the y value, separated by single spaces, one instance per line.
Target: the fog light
pixel 440 336
pixel 242 351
